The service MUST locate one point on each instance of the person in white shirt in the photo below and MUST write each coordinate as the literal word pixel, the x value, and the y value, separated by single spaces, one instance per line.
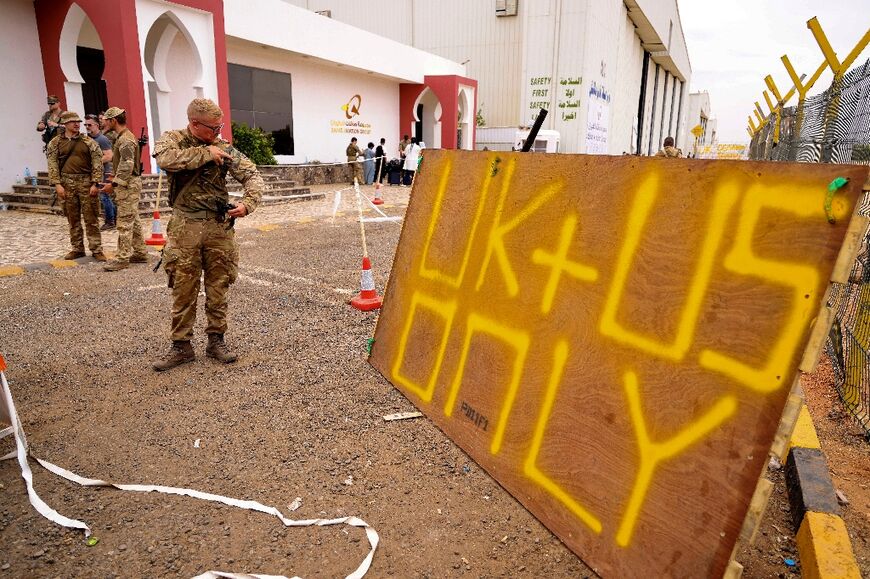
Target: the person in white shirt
pixel 412 159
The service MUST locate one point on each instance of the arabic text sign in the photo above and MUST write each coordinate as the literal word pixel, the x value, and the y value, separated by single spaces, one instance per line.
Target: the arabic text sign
pixel 612 338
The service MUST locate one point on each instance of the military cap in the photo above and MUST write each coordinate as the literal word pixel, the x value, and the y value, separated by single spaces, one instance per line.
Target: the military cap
pixel 52 99
pixel 114 112
pixel 69 117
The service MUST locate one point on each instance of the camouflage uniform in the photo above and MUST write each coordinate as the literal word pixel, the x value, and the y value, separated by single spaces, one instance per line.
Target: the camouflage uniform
pixel 353 151
pixel 82 167
pixel 112 135
pixel 198 243
pixel 128 190
pixel 669 151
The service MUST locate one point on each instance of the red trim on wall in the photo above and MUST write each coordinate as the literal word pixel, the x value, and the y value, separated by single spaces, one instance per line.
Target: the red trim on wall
pixel 116 24
pixel 408 95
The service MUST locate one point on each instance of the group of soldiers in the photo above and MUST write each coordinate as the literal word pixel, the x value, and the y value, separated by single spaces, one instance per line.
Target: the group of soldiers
pixel 75 170
pixel 201 240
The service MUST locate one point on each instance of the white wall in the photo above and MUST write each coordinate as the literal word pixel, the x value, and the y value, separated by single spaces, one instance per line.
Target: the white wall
pixel 319 91
pixel 277 24
pixel 491 46
pixel 199 27
pixel 388 18
pixel 22 99
pixel 181 76
pixel 600 40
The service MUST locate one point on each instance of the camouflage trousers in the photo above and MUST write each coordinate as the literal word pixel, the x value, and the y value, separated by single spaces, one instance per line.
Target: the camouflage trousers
pixel 357 173
pixel 130 240
pixel 193 248
pixel 79 206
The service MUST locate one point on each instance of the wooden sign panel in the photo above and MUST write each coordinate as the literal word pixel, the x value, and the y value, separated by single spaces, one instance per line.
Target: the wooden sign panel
pixel 613 338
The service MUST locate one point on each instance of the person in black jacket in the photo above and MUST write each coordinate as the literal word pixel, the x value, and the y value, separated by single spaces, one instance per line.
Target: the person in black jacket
pixel 380 162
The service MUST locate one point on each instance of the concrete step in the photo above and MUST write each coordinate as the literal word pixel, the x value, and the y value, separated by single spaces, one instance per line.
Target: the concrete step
pixel 30 207
pixel 30 201
pixel 56 210
pixel 272 188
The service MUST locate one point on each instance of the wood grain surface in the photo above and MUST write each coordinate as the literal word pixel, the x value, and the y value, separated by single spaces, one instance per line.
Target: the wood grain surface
pixel 613 338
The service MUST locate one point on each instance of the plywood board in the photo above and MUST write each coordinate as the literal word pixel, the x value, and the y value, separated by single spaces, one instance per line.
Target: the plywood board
pixel 613 338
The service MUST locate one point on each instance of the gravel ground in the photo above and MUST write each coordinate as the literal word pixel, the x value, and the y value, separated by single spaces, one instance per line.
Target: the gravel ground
pixel 298 415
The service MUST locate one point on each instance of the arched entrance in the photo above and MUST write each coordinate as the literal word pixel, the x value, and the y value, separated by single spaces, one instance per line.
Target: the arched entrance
pixel 173 73
pixel 82 62
pixel 465 121
pixel 427 117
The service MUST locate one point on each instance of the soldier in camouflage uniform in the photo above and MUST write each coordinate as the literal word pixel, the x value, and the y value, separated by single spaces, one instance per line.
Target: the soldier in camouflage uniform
pixel 201 239
pixel 353 151
pixel 126 189
pixel 49 123
pixel 75 169
pixel 108 132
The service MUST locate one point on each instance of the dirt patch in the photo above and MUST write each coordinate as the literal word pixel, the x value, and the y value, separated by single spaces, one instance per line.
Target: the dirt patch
pixel 848 453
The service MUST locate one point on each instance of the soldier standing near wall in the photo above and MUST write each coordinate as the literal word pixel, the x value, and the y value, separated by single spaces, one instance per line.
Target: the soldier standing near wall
pixel 126 188
pixel 49 123
pixel 107 132
pixel 353 152
pixel 75 168
pixel 201 236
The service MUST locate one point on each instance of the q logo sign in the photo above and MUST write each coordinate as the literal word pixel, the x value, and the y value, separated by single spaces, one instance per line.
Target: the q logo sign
pixel 351 109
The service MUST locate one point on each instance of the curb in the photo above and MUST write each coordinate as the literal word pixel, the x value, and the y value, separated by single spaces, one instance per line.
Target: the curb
pixel 16 270
pixel 823 543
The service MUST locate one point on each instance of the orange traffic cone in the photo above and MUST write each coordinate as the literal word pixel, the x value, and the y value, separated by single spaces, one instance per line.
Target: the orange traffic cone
pixel 156 235
pixel 368 298
pixel 377 200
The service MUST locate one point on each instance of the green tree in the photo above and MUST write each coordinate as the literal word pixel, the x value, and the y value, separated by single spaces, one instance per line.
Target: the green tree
pixel 255 143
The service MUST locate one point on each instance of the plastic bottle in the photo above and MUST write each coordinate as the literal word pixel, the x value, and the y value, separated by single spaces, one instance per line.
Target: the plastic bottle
pixel 17 179
pixel 27 174
pixel 33 181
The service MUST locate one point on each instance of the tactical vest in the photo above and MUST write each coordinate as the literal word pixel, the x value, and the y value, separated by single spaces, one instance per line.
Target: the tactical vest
pixel 199 189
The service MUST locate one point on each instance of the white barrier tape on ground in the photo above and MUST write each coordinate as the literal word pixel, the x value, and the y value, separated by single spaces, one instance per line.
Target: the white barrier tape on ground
pixel 335 203
pixel 378 209
pixel 7 408
pixel 294 278
pixel 381 219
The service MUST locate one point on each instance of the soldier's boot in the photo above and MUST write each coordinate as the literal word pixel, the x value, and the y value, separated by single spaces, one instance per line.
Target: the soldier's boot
pixel 139 258
pixel 218 350
pixel 99 256
pixel 116 265
pixel 74 254
pixel 180 353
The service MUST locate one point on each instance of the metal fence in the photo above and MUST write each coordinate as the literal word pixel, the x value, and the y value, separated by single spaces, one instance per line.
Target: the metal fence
pixel 834 127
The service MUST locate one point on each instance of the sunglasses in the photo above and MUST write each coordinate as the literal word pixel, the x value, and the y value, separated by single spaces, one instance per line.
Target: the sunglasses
pixel 216 129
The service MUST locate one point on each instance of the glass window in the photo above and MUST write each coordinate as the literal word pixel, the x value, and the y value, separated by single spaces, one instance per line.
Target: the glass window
pixel 263 99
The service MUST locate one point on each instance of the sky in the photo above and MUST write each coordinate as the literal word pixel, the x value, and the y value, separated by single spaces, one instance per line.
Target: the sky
pixel 734 44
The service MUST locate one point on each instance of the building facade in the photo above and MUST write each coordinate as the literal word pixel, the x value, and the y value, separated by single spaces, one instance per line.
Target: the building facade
pixel 311 81
pixel 702 125
pixel 613 74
